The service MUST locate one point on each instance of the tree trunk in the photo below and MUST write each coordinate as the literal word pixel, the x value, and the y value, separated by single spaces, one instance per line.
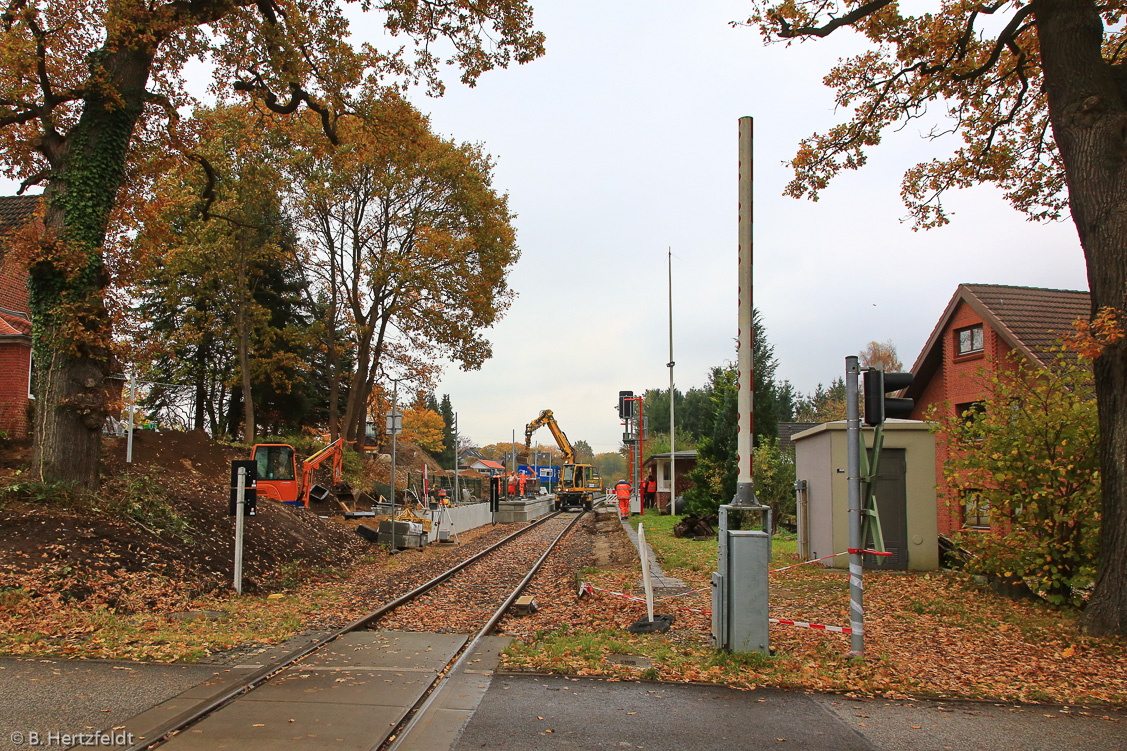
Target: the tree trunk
pixel 67 281
pixel 201 391
pixel 332 351
pixel 1089 118
pixel 244 360
pixel 357 398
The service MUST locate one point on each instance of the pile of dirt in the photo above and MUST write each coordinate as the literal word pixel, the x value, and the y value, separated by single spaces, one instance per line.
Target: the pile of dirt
pixel 164 514
pixel 409 456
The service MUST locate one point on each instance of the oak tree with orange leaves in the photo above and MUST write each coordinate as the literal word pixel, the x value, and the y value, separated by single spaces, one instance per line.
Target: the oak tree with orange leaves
pixel 1037 90
pixel 87 84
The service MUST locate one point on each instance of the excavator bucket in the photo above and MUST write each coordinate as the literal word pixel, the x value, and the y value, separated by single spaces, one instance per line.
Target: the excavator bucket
pixel 344 496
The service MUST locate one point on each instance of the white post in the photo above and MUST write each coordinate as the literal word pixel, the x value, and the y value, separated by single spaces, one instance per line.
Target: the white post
pixel 457 497
pixel 240 516
pixel 394 434
pixel 853 467
pixel 132 402
pixel 745 489
pixel 672 422
pixel 647 581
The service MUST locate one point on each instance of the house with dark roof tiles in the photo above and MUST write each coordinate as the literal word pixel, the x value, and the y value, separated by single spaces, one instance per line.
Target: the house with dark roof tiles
pixel 981 325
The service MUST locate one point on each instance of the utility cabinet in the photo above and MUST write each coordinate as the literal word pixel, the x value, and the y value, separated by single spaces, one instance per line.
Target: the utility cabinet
pixel 739 589
pixel 905 490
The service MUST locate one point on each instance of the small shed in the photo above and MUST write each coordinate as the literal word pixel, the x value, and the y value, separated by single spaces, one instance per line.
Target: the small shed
pixel 658 465
pixel 905 495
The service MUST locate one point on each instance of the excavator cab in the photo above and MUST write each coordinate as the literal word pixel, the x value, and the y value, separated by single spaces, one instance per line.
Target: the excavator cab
pixel 578 486
pixel 277 472
pixel 278 476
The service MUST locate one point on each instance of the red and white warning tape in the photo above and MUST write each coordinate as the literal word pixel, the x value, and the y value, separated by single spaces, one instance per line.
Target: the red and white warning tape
pixel 587 588
pixel 815 626
pixel 590 589
pixel 815 560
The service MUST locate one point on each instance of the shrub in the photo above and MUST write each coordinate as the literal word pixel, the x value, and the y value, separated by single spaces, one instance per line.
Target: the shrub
pixel 1030 453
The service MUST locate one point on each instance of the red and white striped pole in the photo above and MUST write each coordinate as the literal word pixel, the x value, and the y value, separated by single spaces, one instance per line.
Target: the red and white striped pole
pixel 745 489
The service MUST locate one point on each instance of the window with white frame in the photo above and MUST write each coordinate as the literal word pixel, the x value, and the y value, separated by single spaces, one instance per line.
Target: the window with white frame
pixel 969 340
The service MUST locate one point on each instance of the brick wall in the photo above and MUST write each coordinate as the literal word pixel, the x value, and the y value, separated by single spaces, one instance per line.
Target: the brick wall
pixel 956 381
pixel 15 361
pixel 13 286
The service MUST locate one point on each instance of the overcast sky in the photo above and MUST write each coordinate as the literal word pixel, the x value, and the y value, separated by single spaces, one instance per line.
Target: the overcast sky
pixel 621 142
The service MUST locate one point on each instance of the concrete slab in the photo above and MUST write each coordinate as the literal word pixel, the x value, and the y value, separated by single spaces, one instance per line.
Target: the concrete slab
pixel 343 686
pixel 142 725
pixel 442 722
pixel 438 731
pixel 349 695
pixel 388 650
pixel 214 686
pixel 487 655
pixel 268 726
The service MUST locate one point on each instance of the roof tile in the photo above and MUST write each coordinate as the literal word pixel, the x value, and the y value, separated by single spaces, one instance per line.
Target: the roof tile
pixel 15 210
pixel 1038 318
pixel 13 325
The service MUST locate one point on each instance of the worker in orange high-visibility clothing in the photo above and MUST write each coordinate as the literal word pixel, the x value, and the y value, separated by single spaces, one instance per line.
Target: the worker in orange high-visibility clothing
pixel 622 491
pixel 523 479
pixel 512 485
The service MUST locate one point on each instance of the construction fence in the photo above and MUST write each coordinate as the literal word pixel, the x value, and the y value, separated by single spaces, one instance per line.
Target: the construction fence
pixel 478 487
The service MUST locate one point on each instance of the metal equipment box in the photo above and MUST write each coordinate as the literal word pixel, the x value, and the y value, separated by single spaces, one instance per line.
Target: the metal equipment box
pixel 739 592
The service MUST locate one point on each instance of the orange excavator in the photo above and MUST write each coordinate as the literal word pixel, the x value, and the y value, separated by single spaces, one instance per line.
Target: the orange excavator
pixel 277 474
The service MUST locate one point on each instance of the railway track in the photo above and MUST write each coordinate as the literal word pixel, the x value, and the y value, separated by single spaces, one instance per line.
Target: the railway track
pixel 390 680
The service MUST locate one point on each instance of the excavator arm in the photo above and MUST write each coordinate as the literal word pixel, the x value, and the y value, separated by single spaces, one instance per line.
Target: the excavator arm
pixel 546 418
pixel 335 451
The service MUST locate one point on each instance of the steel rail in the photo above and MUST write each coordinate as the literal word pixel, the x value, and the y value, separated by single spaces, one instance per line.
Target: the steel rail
pixel 194 714
pixel 468 650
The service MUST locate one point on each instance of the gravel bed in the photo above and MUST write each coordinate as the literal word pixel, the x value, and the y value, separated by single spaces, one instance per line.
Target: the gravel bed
pixel 467 600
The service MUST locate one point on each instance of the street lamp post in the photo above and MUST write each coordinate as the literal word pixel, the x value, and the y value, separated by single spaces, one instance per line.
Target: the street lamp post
pixel 394 425
pixel 457 498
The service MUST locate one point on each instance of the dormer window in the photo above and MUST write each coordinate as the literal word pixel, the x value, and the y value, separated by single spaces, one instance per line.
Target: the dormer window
pixel 969 340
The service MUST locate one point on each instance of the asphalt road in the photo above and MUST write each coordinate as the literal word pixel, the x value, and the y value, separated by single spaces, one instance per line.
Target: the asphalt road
pixel 527 713
pixel 80 696
pixel 519 713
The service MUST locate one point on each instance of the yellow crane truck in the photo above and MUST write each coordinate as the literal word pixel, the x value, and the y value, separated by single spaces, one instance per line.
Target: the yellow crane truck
pixel 579 483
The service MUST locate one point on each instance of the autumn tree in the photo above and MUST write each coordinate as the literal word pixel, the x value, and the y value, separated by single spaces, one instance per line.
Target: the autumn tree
pixel 229 285
pixel 423 427
pixel 881 355
pixel 1035 89
pixel 88 85
pixel 409 233
pixel 501 451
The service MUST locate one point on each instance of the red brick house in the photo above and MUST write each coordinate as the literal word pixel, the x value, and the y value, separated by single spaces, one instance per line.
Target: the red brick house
pixel 15 323
pixel 982 324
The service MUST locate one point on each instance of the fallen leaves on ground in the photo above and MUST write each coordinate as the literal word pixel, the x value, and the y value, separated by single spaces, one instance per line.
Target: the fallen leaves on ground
pixel 933 634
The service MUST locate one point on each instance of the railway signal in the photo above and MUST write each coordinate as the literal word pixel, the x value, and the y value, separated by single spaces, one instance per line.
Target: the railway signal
pixel 625 404
pixel 878 407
